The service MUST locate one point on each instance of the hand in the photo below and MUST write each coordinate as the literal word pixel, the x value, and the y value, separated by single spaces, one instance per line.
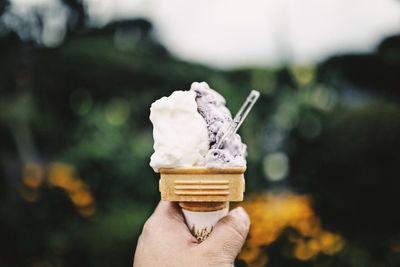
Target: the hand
pixel 167 242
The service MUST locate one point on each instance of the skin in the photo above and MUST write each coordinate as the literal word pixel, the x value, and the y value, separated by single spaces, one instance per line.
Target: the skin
pixel 166 241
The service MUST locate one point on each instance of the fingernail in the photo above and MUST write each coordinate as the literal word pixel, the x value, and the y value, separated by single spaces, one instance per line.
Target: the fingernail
pixel 242 215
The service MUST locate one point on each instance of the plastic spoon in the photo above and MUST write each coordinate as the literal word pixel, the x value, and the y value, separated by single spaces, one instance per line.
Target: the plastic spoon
pixel 240 116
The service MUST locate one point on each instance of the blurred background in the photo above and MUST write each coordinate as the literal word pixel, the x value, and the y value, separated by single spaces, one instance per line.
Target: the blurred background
pixel 77 78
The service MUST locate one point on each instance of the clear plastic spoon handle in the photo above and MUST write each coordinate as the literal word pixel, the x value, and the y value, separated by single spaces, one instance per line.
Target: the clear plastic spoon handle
pixel 240 116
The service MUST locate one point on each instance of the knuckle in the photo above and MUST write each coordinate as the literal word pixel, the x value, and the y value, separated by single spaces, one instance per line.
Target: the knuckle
pixel 235 229
pixel 148 227
pixel 228 246
pixel 231 247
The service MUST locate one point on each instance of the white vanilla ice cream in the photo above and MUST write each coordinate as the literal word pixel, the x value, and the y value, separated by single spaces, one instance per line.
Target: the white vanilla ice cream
pixel 179 131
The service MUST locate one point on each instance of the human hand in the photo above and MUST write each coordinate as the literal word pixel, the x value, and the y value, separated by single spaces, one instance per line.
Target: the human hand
pixel 167 242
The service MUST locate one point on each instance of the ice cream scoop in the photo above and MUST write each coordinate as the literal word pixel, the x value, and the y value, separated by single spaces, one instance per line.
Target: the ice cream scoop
pixel 179 131
pixel 211 105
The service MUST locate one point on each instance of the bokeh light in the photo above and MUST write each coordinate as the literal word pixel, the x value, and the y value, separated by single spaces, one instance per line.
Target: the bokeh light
pixel 58 175
pixel 276 166
pixel 63 176
pixel 117 111
pixel 272 213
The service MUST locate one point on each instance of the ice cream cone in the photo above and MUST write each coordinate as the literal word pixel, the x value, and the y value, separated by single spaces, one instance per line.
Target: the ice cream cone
pixel 203 194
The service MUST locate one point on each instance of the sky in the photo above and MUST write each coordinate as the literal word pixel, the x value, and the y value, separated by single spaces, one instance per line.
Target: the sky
pixel 235 33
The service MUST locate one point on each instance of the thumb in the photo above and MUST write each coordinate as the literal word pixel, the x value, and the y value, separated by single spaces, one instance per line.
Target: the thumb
pixel 229 234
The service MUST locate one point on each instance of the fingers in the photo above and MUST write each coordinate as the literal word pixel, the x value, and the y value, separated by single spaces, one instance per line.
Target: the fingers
pixel 168 222
pixel 168 210
pixel 229 234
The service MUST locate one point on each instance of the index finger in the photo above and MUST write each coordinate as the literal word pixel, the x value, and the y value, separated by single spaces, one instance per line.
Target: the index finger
pixel 170 210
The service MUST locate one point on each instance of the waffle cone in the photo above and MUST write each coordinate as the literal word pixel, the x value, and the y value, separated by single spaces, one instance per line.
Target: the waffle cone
pixel 202 184
pixel 203 206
